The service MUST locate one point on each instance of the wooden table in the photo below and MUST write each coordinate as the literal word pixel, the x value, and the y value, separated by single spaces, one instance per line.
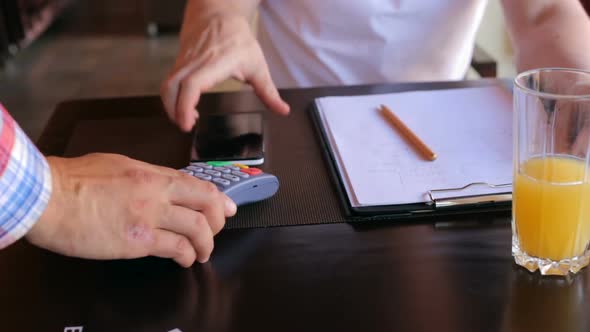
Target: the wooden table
pixel 409 276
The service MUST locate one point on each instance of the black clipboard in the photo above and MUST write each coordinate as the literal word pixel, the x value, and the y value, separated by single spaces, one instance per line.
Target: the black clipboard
pixel 438 204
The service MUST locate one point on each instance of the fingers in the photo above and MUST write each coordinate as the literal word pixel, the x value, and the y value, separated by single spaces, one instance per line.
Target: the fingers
pixel 170 88
pixel 266 90
pixel 197 194
pixel 193 226
pixel 184 117
pixel 194 211
pixel 171 245
pixel 186 191
pixel 189 94
pixel 203 196
pixel 182 90
pixel 181 111
pixel 168 94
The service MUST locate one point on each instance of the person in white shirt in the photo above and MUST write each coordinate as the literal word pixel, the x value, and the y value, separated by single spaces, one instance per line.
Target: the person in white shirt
pixel 331 42
pixel 305 43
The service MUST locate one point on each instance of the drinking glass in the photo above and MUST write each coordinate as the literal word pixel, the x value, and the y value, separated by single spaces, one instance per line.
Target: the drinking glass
pixel 551 187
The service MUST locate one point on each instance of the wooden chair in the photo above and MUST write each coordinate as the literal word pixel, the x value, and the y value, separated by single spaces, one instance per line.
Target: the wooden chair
pixel 483 63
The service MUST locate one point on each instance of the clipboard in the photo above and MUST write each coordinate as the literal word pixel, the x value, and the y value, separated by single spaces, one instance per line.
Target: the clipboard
pixel 437 200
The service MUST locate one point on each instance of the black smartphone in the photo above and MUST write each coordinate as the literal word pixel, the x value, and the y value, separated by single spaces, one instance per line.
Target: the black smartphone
pixel 232 137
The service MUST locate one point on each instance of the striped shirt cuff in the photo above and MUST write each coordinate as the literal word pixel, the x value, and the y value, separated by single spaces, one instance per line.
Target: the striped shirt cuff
pixel 25 181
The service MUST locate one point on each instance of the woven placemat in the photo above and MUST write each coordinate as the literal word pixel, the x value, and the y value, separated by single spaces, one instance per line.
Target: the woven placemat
pixel 306 194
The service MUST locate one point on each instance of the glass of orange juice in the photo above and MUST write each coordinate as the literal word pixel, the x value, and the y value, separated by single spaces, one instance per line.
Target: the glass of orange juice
pixel 551 186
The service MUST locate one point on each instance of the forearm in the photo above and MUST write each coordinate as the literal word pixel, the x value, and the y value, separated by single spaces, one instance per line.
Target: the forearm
pixel 204 8
pixel 25 182
pixel 201 13
pixel 548 33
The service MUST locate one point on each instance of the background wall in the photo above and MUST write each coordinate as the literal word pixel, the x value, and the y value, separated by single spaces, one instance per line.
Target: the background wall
pixel 493 38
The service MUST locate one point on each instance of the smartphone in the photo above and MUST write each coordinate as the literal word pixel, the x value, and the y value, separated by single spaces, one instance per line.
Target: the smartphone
pixel 232 137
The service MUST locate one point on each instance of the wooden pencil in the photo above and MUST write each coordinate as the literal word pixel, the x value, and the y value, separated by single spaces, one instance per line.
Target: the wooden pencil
pixel 410 137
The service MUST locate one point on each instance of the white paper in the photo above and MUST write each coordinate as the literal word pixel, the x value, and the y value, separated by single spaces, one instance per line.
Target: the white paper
pixel 469 129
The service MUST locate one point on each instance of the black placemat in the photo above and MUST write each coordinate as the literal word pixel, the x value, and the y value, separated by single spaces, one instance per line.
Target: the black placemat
pixel 306 194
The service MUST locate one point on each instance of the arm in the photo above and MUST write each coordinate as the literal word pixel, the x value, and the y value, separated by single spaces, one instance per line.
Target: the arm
pixel 25 182
pixel 103 206
pixel 201 9
pixel 216 43
pixel 548 33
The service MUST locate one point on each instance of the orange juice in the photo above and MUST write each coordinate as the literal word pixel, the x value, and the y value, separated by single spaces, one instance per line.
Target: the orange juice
pixel 551 207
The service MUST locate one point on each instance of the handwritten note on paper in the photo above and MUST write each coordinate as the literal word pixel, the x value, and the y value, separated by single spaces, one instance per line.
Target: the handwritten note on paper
pixel 469 129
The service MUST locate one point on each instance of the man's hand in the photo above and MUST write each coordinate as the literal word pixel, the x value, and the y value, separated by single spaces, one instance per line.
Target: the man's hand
pixel 106 206
pixel 216 43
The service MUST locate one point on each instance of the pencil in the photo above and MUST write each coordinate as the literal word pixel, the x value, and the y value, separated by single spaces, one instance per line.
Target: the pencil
pixel 414 140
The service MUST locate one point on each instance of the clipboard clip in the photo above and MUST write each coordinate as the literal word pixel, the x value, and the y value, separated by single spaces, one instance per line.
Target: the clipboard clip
pixel 455 200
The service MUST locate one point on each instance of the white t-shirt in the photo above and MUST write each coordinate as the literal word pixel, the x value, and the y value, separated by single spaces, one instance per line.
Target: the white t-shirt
pixel 333 42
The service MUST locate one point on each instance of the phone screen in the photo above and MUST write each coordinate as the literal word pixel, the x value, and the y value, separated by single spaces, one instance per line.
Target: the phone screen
pixel 229 137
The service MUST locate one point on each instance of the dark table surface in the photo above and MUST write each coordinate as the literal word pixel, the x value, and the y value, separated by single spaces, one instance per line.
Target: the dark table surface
pixel 403 276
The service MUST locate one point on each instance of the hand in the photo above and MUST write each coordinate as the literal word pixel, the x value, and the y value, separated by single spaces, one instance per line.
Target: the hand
pixel 212 49
pixel 106 206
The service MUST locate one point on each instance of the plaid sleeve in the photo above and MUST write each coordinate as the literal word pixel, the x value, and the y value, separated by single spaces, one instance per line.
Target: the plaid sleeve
pixel 25 181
